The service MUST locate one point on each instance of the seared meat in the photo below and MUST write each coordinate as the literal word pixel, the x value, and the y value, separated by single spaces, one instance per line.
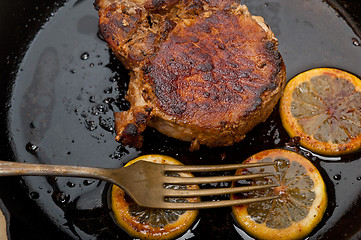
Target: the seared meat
pixel 204 71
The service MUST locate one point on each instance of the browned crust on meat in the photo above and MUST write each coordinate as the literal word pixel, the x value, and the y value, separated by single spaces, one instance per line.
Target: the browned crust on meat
pixel 219 65
pixel 201 71
pixel 134 29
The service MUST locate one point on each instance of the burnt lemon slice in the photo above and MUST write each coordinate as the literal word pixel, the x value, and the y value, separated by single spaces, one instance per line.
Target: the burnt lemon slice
pixel 302 197
pixel 149 223
pixel 323 107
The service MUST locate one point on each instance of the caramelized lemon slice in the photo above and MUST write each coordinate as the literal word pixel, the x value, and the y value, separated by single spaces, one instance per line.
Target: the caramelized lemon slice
pixel 323 107
pixel 147 223
pixel 302 197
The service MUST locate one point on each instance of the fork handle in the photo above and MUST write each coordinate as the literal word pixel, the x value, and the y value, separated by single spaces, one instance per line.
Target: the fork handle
pixel 30 169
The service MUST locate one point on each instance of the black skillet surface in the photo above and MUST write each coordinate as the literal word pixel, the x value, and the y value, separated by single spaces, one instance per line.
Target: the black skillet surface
pixel 59 88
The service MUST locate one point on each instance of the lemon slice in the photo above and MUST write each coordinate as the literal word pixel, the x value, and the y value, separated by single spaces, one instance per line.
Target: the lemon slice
pixel 147 223
pixel 302 197
pixel 323 107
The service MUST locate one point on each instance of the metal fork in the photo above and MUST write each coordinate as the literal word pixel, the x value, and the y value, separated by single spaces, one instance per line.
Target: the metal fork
pixel 145 181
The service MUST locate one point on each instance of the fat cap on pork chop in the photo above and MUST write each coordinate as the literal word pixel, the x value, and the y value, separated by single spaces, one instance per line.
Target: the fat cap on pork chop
pixel 204 71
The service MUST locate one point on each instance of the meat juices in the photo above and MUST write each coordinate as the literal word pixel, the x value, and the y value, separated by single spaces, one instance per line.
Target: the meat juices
pixel 200 71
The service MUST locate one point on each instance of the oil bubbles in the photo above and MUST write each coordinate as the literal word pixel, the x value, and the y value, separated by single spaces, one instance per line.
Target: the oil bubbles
pixel 31 148
pixel 84 56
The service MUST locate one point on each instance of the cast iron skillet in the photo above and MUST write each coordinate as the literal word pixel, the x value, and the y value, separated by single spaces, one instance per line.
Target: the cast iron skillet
pixel 60 85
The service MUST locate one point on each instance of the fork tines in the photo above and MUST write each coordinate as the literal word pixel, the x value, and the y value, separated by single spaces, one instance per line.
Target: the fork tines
pixel 213 204
pixel 214 191
pixel 214 168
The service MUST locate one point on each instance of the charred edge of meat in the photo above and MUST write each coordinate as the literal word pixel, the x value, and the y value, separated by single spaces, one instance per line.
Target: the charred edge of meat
pixel 96 5
pixel 119 28
pixel 158 5
pixel 277 74
pixel 191 5
pixel 129 126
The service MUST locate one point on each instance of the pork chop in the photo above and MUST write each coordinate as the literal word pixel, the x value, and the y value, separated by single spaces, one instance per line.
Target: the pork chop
pixel 204 71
